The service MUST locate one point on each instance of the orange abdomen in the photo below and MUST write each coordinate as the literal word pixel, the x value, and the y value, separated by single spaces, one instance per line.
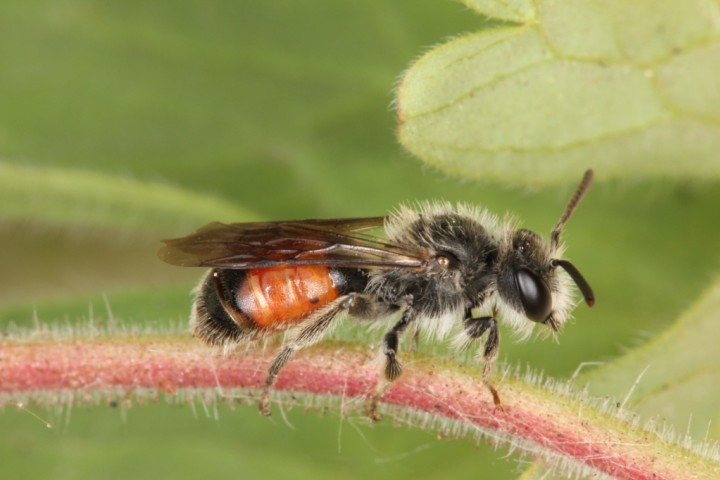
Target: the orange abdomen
pixel 279 297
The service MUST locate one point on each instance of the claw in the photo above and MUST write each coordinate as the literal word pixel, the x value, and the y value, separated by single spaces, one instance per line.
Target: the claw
pixel 264 405
pixel 372 408
pixel 496 397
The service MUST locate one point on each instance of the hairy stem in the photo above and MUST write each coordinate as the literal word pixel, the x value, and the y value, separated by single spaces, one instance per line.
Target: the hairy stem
pixel 547 421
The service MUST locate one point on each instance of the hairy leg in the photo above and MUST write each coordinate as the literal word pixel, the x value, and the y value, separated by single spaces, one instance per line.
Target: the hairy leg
pixel 311 331
pixel 392 369
pixel 474 329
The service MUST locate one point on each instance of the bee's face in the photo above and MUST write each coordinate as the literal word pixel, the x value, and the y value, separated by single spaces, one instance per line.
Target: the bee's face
pixel 524 276
pixel 530 283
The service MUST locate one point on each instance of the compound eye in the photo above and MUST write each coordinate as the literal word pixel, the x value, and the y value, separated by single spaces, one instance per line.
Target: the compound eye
pixel 534 294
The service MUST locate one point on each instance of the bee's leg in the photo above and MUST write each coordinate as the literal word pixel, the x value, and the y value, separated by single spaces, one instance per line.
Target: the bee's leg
pixel 492 345
pixel 311 331
pixel 391 341
pixel 365 307
pixel 393 369
pixel 475 328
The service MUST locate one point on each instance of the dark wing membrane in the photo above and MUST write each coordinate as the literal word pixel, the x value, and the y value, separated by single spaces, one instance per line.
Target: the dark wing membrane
pixel 336 242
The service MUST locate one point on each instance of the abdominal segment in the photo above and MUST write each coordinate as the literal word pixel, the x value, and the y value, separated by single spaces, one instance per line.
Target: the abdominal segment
pixel 279 297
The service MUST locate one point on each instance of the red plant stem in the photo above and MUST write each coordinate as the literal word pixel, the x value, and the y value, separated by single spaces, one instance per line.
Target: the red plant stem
pixel 529 413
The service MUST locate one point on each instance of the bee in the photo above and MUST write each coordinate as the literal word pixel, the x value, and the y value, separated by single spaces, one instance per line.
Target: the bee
pixel 438 267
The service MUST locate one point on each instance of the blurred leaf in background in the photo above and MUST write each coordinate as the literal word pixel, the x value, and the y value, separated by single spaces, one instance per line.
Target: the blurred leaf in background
pixel 124 123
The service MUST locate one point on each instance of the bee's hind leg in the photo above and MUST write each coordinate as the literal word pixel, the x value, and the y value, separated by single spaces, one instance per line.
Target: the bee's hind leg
pixel 311 331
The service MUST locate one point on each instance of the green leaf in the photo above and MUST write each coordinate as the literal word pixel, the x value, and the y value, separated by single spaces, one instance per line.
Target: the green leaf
pixel 629 88
pixel 82 199
pixel 72 231
pixel 676 376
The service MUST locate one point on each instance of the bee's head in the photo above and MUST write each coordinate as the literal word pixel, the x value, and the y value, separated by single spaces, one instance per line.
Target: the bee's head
pixel 528 280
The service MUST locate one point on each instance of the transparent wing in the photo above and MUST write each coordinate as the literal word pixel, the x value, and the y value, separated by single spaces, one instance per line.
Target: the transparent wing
pixel 334 242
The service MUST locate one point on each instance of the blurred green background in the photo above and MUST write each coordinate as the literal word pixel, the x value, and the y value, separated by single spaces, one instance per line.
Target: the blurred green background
pixel 275 109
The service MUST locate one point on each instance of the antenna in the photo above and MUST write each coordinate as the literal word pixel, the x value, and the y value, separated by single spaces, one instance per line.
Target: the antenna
pixel 571 206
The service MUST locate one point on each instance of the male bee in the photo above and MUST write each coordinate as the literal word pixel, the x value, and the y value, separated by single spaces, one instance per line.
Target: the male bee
pixel 436 267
